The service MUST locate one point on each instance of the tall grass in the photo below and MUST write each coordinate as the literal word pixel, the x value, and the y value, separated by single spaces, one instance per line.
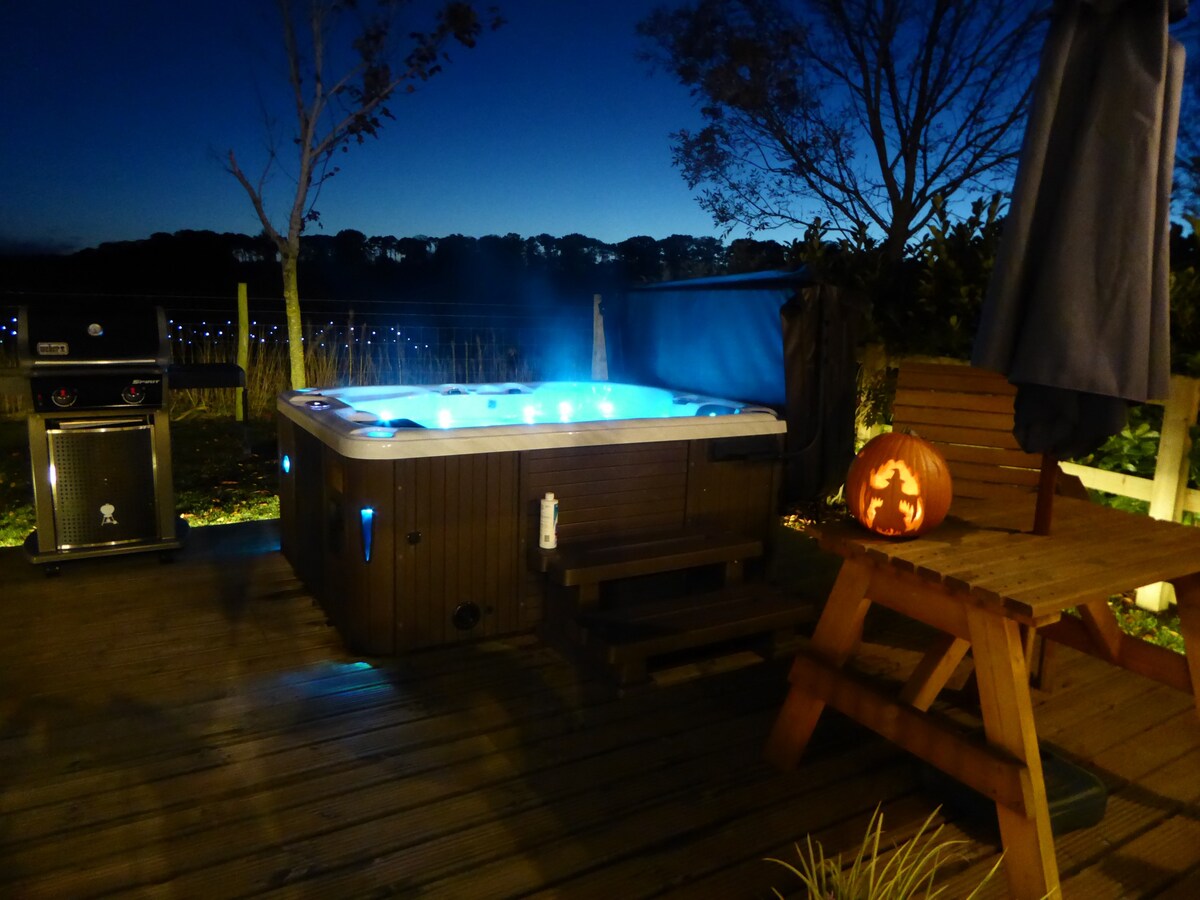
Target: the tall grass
pixel 447 349
pixel 334 356
pixel 907 872
pixel 337 357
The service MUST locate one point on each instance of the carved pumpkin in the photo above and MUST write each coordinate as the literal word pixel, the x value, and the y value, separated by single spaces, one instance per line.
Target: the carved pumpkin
pixel 899 485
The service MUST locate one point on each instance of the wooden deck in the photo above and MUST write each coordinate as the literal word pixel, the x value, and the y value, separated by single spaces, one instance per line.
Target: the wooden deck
pixel 195 729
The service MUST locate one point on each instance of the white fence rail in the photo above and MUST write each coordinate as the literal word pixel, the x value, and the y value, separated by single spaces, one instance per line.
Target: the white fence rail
pixel 1167 492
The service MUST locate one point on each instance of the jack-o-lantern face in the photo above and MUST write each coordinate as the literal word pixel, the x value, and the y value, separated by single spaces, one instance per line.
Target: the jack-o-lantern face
pixel 898 486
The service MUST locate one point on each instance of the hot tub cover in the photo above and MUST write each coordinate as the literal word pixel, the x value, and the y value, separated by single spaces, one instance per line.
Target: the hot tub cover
pixel 778 338
pixel 718 336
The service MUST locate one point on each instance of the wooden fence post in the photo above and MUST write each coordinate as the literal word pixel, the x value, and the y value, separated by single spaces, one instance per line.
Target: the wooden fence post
pixel 1171 473
pixel 243 349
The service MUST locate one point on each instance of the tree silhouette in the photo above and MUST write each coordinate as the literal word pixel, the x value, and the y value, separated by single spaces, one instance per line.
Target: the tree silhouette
pixel 335 108
pixel 640 260
pixel 864 109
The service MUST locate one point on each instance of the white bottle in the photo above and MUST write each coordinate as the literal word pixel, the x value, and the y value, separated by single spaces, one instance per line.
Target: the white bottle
pixel 548 523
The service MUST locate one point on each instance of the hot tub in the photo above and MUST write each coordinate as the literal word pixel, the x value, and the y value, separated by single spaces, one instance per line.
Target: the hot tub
pixel 410 511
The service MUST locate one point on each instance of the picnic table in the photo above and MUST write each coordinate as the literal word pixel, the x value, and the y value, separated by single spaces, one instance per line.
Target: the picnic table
pixel 986 584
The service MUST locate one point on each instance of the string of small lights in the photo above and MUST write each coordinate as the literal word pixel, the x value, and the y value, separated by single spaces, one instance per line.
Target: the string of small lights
pixel 472 343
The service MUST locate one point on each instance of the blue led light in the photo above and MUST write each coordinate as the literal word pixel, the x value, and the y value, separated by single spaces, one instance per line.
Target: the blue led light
pixel 286 464
pixel 367 514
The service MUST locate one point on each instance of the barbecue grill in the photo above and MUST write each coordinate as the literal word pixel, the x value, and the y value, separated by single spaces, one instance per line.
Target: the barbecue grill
pixel 99 437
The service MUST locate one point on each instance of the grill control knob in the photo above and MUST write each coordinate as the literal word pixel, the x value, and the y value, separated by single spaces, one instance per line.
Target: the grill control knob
pixel 64 397
pixel 133 393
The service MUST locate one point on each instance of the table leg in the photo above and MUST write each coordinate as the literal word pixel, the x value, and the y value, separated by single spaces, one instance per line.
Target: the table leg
pixel 837 634
pixel 1003 680
pixel 1187 597
pixel 1101 624
pixel 933 671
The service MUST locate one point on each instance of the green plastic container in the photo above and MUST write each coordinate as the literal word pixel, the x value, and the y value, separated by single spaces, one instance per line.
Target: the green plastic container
pixel 1077 798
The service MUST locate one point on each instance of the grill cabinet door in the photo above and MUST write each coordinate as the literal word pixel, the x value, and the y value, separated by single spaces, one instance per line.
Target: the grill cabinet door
pixel 103 481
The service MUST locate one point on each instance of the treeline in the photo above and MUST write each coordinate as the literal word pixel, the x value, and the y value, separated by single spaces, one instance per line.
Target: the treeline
pixel 927 303
pixel 349 266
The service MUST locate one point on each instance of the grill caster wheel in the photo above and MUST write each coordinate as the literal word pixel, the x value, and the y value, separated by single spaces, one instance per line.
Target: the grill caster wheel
pixel 52 571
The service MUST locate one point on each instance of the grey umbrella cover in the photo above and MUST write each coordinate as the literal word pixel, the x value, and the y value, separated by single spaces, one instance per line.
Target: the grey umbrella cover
pixel 1077 313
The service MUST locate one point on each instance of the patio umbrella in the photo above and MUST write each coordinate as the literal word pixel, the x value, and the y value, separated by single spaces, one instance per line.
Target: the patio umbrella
pixel 1077 311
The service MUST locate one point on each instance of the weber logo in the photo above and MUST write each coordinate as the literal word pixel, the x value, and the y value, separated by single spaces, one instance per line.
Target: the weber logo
pixel 53 348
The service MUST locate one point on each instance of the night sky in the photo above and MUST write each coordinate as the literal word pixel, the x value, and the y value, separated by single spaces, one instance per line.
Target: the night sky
pixel 116 116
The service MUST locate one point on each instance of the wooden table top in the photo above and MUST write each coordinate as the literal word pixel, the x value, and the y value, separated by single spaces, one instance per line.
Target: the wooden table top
pixel 985 550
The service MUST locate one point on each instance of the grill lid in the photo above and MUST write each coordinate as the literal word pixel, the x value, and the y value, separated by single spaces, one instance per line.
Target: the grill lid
pixel 115 333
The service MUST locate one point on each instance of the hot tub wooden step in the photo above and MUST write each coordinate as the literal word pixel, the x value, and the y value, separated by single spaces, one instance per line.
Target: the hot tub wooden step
pixel 628 639
pixel 591 564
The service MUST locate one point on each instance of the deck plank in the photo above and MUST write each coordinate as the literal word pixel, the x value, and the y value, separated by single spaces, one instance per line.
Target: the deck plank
pixel 196 729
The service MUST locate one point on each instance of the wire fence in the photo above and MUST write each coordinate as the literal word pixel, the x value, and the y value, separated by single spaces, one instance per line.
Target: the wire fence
pixel 375 342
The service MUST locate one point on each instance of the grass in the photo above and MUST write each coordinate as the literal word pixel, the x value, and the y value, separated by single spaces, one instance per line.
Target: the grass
pixel 1157 628
pixel 877 872
pixel 16 490
pixel 216 479
pixel 338 356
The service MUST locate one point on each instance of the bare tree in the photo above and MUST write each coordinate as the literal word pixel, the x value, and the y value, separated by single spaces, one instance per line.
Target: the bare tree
pixel 1187 148
pixel 866 110
pixel 340 90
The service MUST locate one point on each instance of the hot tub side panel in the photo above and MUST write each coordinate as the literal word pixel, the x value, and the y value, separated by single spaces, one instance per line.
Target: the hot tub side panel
pixel 456 556
pixel 442 564
pixel 285 439
pixel 622 490
pixel 633 490
pixel 359 586
pixel 451 533
pixel 606 491
pixel 721 484
pixel 301 504
pixel 734 484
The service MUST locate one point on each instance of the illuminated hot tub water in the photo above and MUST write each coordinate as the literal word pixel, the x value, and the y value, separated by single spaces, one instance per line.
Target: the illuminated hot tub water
pixel 425 420
pixel 409 511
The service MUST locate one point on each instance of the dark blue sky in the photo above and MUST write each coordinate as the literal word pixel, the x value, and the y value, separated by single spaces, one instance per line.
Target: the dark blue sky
pixel 114 114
